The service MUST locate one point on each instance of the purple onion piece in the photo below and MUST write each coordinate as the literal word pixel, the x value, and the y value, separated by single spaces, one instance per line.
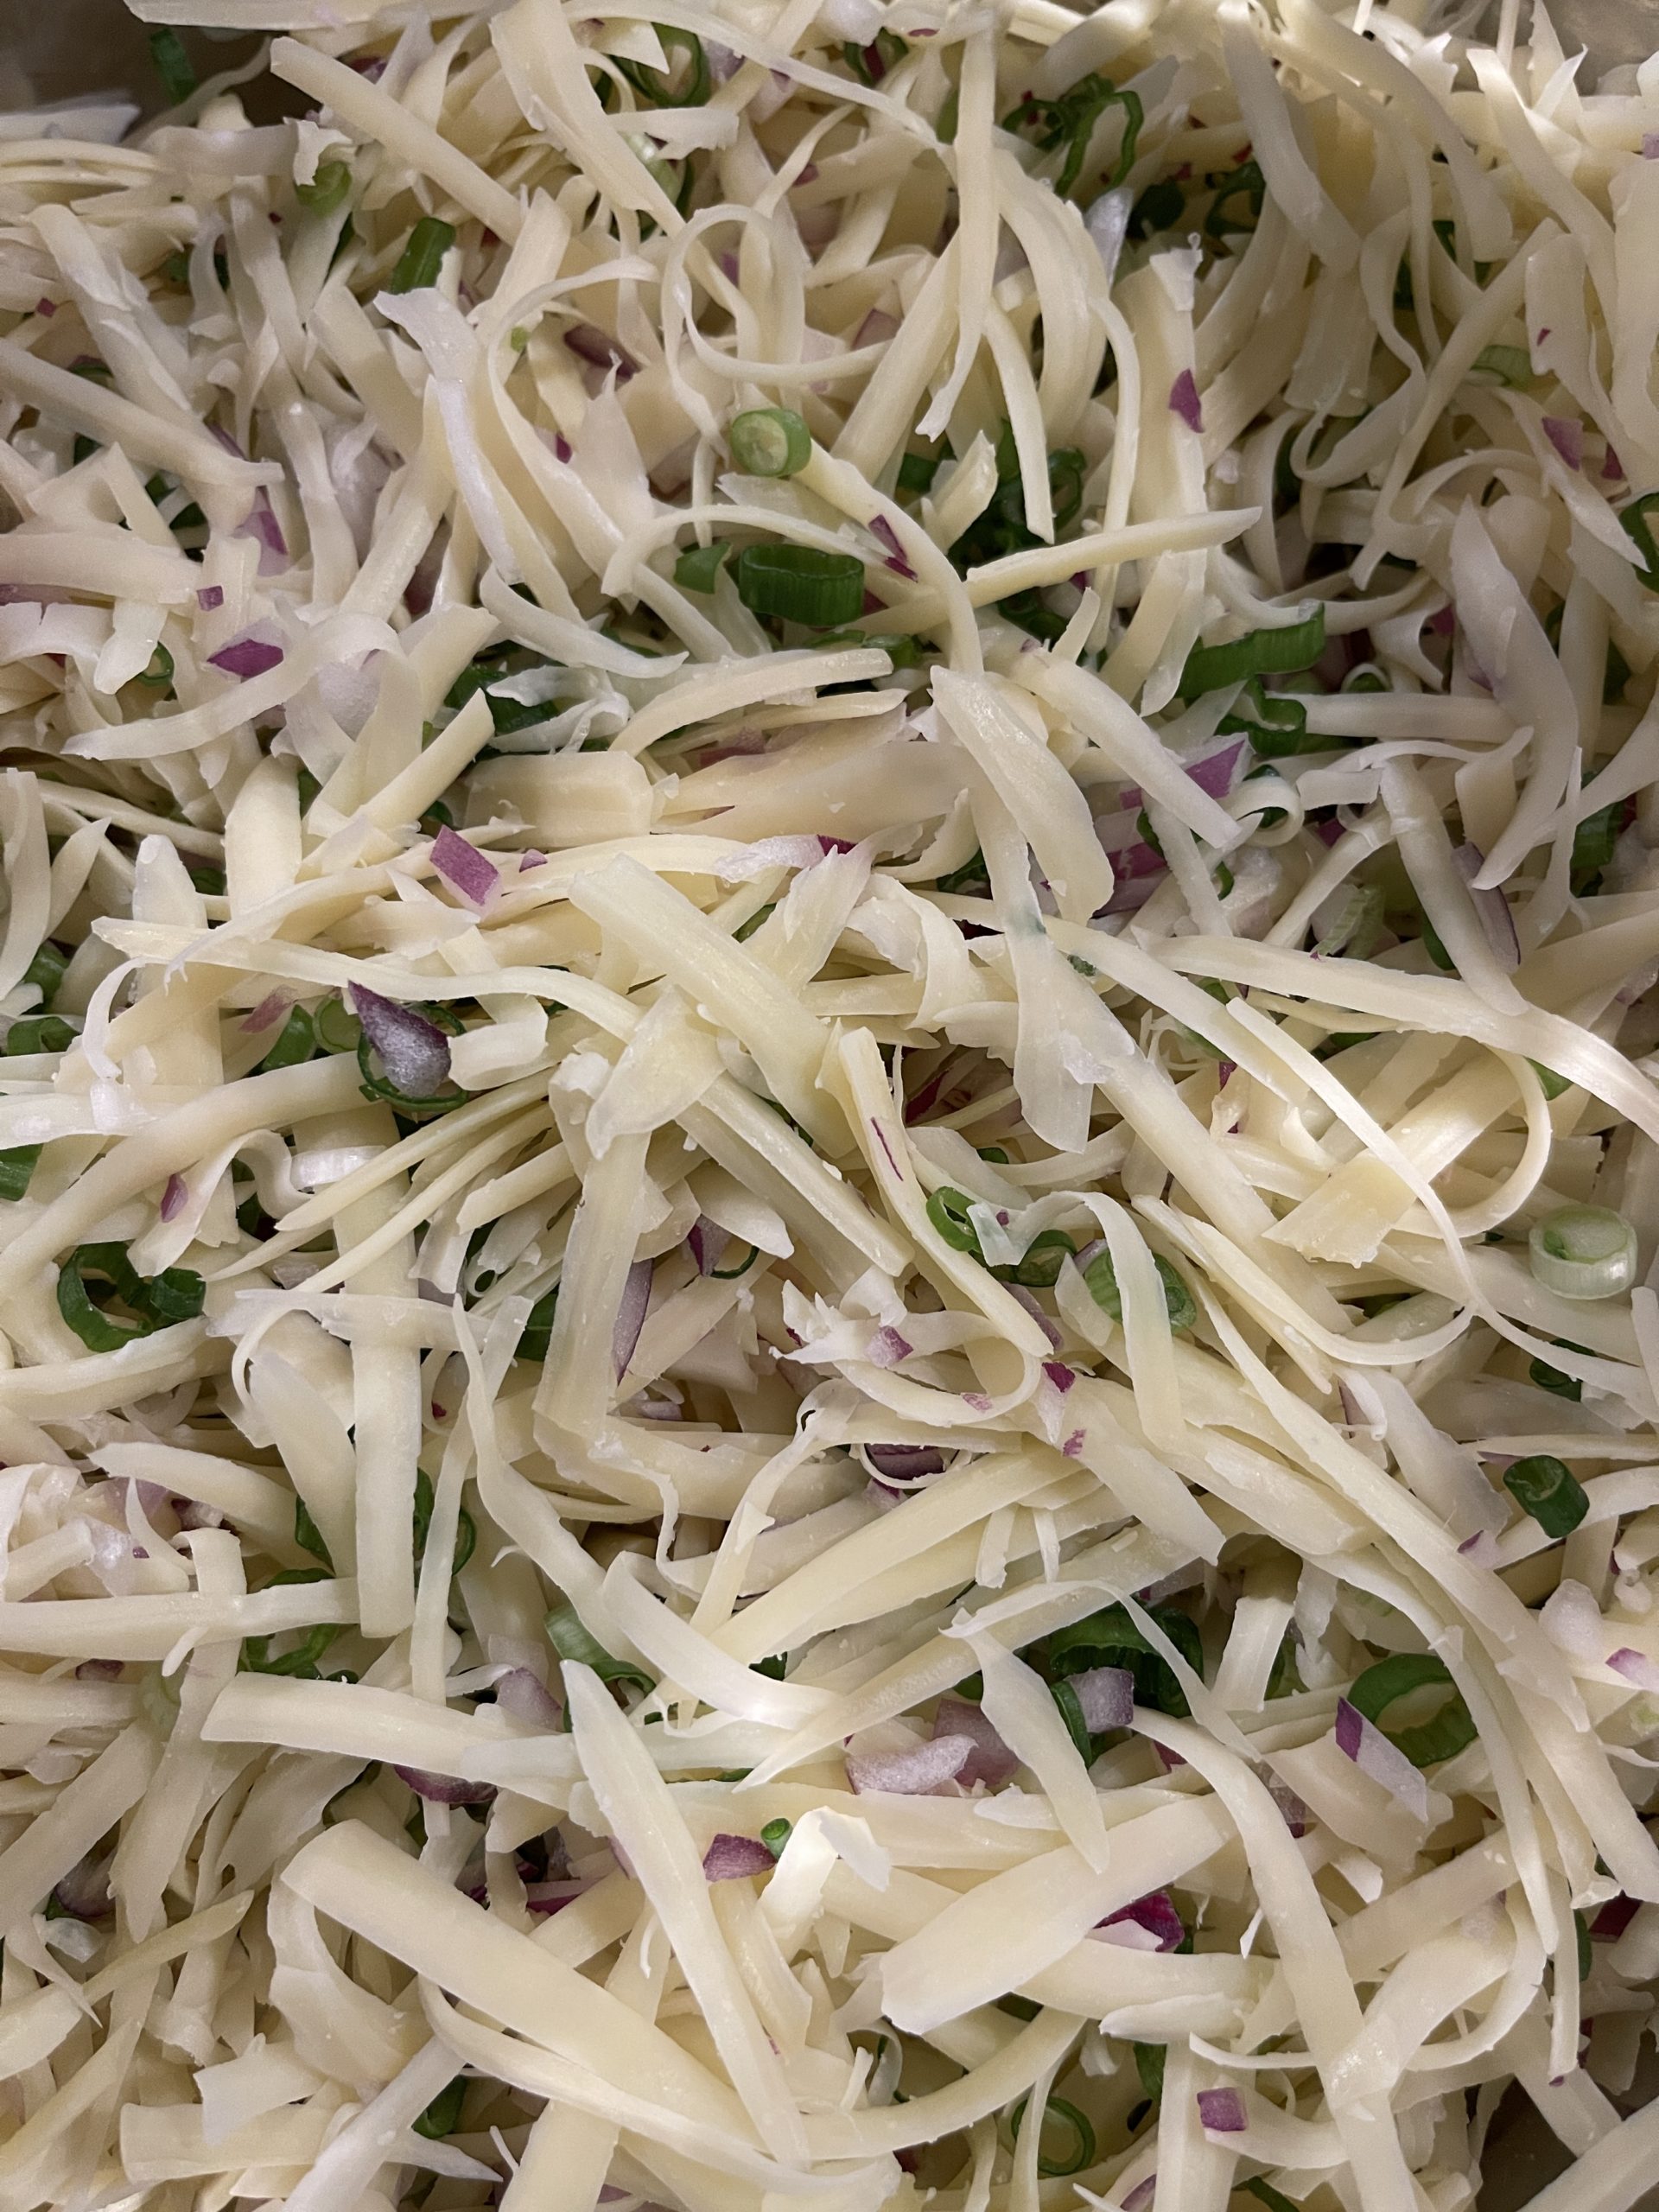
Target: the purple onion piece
pixel 1614 1918
pixel 444 1788
pixel 84 1892
pixel 531 859
pixel 1141 2196
pixel 246 657
pixel 98 1670
pixel 877 326
pixel 990 1760
pixel 887 1347
pixel 464 868
pixel 210 597
pixel 1297 1818
pixel 1491 908
pixel 174 1197
pixel 630 1315
pixel 1155 1913
pixel 913 1772
pixel 905 1463
pixel 1059 1375
pixel 263 525
pixel 882 529
pixel 413 1051
pixel 593 346
pixel 736 1858
pixel 1373 1753
pixel 1184 400
pixel 523 1696
pixel 193 1514
pixel 1565 434
pixel 1018 1292
pixel 1106 1695
pixel 269 1010
pixel 1221 2111
pixel 1635 1667
pixel 706 1241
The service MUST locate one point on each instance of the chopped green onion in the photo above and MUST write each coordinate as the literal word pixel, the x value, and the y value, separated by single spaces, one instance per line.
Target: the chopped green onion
pixel 17 1165
pixel 173 66
pixel 39 1033
pixel 309 1537
pixel 538 1328
pixel 661 90
pixel 1262 652
pixel 801 583
pixel 746 930
pixel 1435 950
pixel 1149 2058
pixel 327 189
pixel 731 1275
pixel 1070 1711
pixel 296 1041
pixel 1083 2152
pixel 1398 1676
pixel 1069 121
pixel 157 672
pixel 571 1640
pixel 466 1531
pixel 302 1663
pixel 1366 677
pixel 46 972
pixel 950 114
pixel 1110 1638
pixel 916 472
pixel 1511 364
pixel 338 1028
pixel 1583 1252
pixel 1640 530
pixel 176 1294
pixel 1159 207
pixel 1554 1379
pixel 1038 1267
pixel 1265 2193
pixel 1543 1486
pixel 1593 843
pixel 443 2116
pixel 871 63
pixel 775 1835
pixel 771 442
pixel 972 876
pixel 1101 1278
pixel 948 1211
pixel 698 566
pixel 1552 1084
pixel 1245 181
pixel 423 258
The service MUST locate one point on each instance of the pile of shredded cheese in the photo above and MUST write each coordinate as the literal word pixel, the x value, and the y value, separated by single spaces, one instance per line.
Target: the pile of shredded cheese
pixel 828 1145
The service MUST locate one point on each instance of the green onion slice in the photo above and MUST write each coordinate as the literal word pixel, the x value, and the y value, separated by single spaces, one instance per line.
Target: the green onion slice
pixel 688 87
pixel 1262 652
pixel 421 258
pixel 327 189
pixel 801 583
pixel 173 66
pixel 771 442
pixel 698 566
pixel 176 1294
pixel 17 1165
pixel 1395 1677
pixel 947 1210
pixel 1583 1252
pixel 1082 2153
pixel 571 1640
pixel 1101 1278
pixel 1634 518
pixel 1544 1487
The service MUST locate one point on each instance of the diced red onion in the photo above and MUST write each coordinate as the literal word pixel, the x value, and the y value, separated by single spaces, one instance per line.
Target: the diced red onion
pixel 1328 833
pixel 246 657
pixel 193 1514
pixel 84 1892
pixel 722 64
pixel 990 1761
pixel 531 859
pixel 1383 1761
pixel 545 1899
pixel 1184 400
pixel 174 1198
pixel 735 1858
pixel 905 1463
pixel 1155 1912
pixel 977 1401
pixel 1059 1375
pixel 705 1241
pixel 1636 1667
pixel 1651 145
pixel 525 1696
pixel 444 1788
pixel 1106 1695
pixel 413 1051
pixel 882 529
pixel 887 1347
pixel 263 525
pixel 1612 468
pixel 1221 2111
pixel 912 1773
pixel 98 1670
pixel 1565 434
pixel 1492 908
pixel 630 1315
pixel 877 326
pixel 464 868
pixel 1028 1300
pixel 210 597
pixel 1442 622
pixel 269 1010
pixel 1140 2197
pixel 45 307
pixel 590 345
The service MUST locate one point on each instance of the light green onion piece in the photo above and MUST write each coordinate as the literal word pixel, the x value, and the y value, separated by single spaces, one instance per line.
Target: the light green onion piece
pixel 326 189
pixel 1583 1252
pixel 771 442
pixel 421 258
pixel 799 583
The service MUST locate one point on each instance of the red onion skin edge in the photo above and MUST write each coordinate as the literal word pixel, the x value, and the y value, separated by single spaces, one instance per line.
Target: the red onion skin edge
pixel 735 1858
pixel 444 1788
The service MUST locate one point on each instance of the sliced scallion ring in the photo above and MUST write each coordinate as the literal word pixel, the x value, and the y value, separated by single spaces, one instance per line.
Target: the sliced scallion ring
pixel 1545 1487
pixel 1583 1252
pixel 769 441
pixel 1084 2140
